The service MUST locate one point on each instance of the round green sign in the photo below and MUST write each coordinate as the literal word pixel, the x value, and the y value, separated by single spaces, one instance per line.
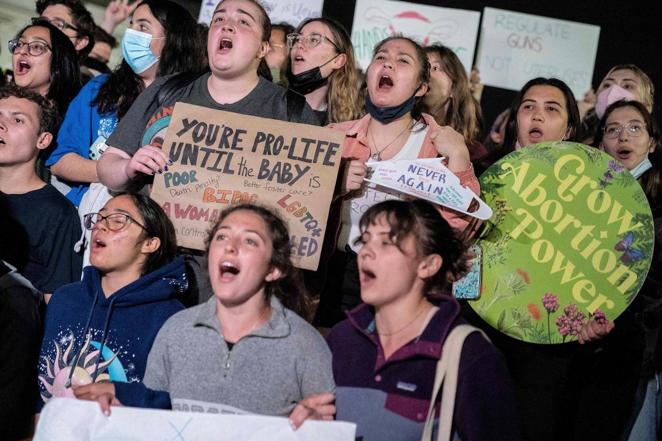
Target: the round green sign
pixel 571 240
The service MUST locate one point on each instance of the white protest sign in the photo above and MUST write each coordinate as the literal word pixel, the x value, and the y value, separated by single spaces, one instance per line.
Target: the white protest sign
pixel 292 11
pixel 375 20
pixel 67 419
pixel 287 11
pixel 206 11
pixel 428 179
pixel 515 48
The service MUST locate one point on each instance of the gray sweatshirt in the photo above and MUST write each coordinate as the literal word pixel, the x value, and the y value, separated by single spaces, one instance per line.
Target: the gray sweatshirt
pixel 267 372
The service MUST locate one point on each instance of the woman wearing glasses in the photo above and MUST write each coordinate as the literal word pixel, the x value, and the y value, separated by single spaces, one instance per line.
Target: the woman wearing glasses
pixel 160 40
pixel 44 61
pixel 323 68
pixel 629 133
pixel 102 328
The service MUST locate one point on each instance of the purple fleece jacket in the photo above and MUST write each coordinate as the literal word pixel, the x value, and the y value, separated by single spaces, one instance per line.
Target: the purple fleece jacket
pixel 388 399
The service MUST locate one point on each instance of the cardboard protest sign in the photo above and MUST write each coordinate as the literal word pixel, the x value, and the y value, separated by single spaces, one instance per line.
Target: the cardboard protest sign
pixel 571 238
pixel 222 158
pixel 516 47
pixel 428 179
pixel 280 11
pixel 375 20
pixel 66 419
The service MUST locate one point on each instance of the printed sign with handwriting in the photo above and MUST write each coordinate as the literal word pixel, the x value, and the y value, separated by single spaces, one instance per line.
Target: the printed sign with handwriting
pixel 223 158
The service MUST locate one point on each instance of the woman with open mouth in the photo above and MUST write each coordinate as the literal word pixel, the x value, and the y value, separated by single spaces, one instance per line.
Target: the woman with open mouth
pixel 393 129
pixel 322 67
pixel 246 349
pixel 45 61
pixel 544 110
pixel 629 133
pixel 385 354
pixel 101 329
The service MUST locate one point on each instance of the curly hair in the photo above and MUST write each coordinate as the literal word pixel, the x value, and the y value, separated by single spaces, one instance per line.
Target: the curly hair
pixel 432 234
pixel 49 117
pixel 289 287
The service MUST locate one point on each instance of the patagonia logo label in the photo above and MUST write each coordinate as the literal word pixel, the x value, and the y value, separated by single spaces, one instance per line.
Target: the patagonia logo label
pixel 406 386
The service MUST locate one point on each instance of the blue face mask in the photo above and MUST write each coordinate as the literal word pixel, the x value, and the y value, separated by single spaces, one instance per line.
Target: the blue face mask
pixel 387 114
pixel 641 168
pixel 136 50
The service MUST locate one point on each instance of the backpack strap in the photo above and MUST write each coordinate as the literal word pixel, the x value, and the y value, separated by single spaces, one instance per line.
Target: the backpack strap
pixel 446 380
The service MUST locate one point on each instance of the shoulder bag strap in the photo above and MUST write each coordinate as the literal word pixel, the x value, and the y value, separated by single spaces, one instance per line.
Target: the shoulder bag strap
pixel 446 380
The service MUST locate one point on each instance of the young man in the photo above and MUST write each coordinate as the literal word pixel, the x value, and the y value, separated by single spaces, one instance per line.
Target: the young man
pixel 73 19
pixel 237 41
pixel 38 225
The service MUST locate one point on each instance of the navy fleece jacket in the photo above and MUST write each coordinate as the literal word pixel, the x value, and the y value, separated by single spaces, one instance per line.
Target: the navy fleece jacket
pixel 105 338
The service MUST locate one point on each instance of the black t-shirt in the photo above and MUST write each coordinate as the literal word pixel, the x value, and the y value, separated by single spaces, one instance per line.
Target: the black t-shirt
pixel 147 120
pixel 20 328
pixel 38 231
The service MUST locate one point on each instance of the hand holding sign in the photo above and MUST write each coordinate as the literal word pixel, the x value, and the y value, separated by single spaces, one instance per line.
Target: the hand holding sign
pixel 148 160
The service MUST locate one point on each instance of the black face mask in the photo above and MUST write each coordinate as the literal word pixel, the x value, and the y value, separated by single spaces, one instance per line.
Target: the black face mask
pixel 387 114
pixel 309 80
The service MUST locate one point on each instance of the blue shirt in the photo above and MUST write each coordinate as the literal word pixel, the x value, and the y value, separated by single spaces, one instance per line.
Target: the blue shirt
pixel 81 127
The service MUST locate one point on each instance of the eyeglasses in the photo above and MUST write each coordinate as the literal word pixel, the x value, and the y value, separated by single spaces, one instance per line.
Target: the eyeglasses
pixel 114 222
pixel 58 23
pixel 309 41
pixel 35 48
pixel 633 129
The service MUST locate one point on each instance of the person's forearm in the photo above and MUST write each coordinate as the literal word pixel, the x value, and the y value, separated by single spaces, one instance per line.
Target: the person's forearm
pixel 111 170
pixel 73 167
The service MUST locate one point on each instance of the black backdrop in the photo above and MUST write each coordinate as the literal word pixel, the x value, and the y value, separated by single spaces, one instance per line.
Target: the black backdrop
pixel 630 32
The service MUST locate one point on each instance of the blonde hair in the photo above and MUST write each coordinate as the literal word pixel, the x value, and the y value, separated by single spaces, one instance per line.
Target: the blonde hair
pixel 647 86
pixel 343 94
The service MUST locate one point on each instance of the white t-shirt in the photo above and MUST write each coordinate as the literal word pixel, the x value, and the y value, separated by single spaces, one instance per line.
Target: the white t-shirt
pixel 371 194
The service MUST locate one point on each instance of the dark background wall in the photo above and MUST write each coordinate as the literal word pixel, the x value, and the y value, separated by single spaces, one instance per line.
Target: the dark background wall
pixel 630 32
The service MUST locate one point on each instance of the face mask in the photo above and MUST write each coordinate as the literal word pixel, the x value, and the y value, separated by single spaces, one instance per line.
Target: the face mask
pixel 387 114
pixel 611 95
pixel 309 80
pixel 136 50
pixel 641 168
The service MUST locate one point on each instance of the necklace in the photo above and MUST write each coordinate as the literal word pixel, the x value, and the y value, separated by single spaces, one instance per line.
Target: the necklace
pixel 377 156
pixel 389 334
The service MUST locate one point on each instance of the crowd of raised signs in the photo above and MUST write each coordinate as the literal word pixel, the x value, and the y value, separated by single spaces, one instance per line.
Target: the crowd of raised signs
pixel 98 302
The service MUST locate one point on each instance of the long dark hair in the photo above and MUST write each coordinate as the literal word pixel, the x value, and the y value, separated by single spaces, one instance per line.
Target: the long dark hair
pixel 65 71
pixel 432 234
pixel 510 138
pixel 288 288
pixel 157 224
pixel 652 179
pixel 184 51
pixel 423 73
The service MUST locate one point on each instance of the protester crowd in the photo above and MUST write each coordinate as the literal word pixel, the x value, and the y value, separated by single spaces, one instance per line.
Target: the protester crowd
pixel 89 263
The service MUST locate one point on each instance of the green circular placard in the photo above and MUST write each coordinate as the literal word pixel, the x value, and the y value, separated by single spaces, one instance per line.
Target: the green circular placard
pixel 571 240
